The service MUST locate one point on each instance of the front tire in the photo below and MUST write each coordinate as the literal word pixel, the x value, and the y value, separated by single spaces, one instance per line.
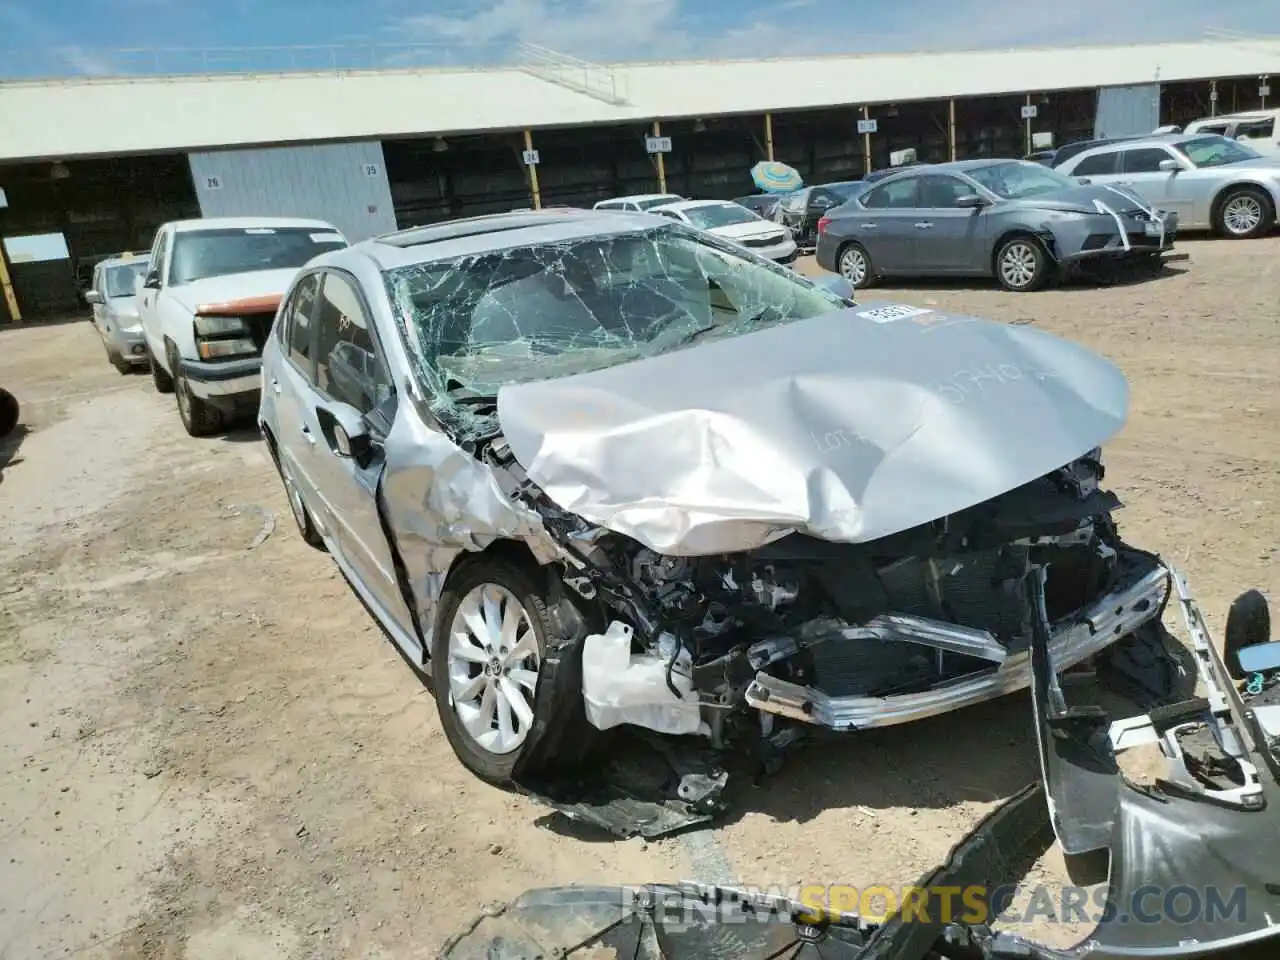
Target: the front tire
pixel 9 413
pixel 298 507
pixel 163 382
pixel 1244 213
pixel 487 652
pixel 1022 265
pixel 200 418
pixel 854 264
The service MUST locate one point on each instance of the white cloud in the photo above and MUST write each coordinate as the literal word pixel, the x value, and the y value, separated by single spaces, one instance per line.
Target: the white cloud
pixel 604 30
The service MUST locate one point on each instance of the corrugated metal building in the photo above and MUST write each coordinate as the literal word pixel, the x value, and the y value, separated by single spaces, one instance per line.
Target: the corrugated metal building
pixel 101 161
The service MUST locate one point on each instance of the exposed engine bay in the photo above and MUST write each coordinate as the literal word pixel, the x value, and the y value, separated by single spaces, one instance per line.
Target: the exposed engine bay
pixel 834 635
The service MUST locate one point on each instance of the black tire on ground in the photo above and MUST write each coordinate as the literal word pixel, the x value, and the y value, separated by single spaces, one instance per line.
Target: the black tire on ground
pixel 199 417
pixel 9 413
pixel 1248 624
pixel 298 507
pixel 846 265
pixel 490 766
pixel 1022 264
pixel 1244 213
pixel 162 380
pixel 120 363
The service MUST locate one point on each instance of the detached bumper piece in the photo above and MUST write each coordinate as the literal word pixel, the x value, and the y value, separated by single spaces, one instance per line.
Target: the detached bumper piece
pixel 1214 844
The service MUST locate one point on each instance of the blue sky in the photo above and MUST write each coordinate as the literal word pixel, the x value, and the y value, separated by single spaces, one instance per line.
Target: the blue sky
pixel 81 36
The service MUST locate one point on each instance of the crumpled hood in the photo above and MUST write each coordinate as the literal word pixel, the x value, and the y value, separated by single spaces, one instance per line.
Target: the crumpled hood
pixel 849 427
pixel 1084 199
pixel 234 286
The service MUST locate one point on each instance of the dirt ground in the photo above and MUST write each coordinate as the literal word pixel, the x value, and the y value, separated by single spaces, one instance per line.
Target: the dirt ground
pixel 210 752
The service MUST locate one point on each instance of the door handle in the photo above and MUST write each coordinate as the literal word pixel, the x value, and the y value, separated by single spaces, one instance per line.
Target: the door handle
pixel 924 225
pixel 868 226
pixel 275 385
pixel 310 437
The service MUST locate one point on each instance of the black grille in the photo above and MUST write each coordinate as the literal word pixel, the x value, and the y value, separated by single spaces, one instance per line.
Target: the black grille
pixel 259 325
pixel 1142 240
pixel 766 241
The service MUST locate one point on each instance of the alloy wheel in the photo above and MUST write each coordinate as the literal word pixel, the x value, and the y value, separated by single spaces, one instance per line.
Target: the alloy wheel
pixel 1018 264
pixel 1242 214
pixel 853 266
pixel 493 664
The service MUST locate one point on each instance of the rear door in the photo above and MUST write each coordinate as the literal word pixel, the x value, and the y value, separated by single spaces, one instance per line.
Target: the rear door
pixel 291 388
pixel 351 371
pixel 887 228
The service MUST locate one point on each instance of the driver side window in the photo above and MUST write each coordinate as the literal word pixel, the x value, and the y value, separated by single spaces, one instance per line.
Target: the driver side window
pixel 348 366
pixel 158 252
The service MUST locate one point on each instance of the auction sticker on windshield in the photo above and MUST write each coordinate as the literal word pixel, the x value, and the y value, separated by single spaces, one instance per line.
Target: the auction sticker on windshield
pixel 893 312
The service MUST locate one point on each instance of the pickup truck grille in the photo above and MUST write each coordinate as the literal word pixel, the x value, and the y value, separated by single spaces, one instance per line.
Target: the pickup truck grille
pixel 768 240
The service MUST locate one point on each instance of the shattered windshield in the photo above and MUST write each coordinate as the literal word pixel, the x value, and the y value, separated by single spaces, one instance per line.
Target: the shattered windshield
pixel 719 215
pixel 529 313
pixel 1020 178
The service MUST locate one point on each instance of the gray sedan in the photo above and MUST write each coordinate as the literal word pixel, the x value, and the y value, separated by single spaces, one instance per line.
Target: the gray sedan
pixel 1212 183
pixel 1012 219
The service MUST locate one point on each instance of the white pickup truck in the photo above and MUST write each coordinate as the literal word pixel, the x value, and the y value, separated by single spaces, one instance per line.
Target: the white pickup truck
pixel 207 302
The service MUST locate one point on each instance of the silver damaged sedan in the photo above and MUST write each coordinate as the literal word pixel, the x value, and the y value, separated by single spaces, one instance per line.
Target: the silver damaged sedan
pixel 599 472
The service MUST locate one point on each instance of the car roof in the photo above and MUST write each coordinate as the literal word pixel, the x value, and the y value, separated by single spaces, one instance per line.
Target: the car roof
pixel 694 204
pixel 501 231
pixel 1236 117
pixel 234 223
pixel 123 259
pixel 636 197
pixel 1130 143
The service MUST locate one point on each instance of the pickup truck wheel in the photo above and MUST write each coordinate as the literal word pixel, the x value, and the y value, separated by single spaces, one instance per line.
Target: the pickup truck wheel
pixel 162 380
pixel 200 419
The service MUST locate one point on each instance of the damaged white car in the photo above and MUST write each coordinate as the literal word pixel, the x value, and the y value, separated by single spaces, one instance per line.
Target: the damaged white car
pixel 597 471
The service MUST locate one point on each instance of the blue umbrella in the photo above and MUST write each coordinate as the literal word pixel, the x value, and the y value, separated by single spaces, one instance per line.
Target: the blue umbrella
pixel 774 177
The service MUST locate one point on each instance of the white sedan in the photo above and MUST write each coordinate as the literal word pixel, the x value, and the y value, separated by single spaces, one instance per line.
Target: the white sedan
pixel 735 222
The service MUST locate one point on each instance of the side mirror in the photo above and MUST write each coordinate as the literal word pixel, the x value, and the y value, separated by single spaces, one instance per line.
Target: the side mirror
pixel 971 201
pixel 92 297
pixel 344 430
pixel 1170 166
pixel 838 285
pixel 153 280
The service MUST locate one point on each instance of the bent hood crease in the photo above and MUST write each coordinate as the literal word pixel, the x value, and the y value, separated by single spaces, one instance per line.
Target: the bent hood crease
pixel 848 427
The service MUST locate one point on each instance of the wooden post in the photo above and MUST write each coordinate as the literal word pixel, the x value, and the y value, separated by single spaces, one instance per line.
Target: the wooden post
pixel 866 143
pixel 951 127
pixel 768 136
pixel 661 160
pixel 533 172
pixel 6 284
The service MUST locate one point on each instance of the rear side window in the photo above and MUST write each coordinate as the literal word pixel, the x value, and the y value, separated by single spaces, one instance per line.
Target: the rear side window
pixel 1099 164
pixel 1257 129
pixel 298 319
pixel 898 194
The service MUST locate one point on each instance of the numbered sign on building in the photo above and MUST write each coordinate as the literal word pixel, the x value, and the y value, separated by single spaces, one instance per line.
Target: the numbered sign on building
pixel 867 126
pixel 657 144
pixel 370 169
pixel 213 183
pixel 1264 90
pixel 530 158
pixel 1030 111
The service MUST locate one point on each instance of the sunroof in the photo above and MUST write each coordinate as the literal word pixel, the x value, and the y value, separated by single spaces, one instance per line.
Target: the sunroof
pixel 472 227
